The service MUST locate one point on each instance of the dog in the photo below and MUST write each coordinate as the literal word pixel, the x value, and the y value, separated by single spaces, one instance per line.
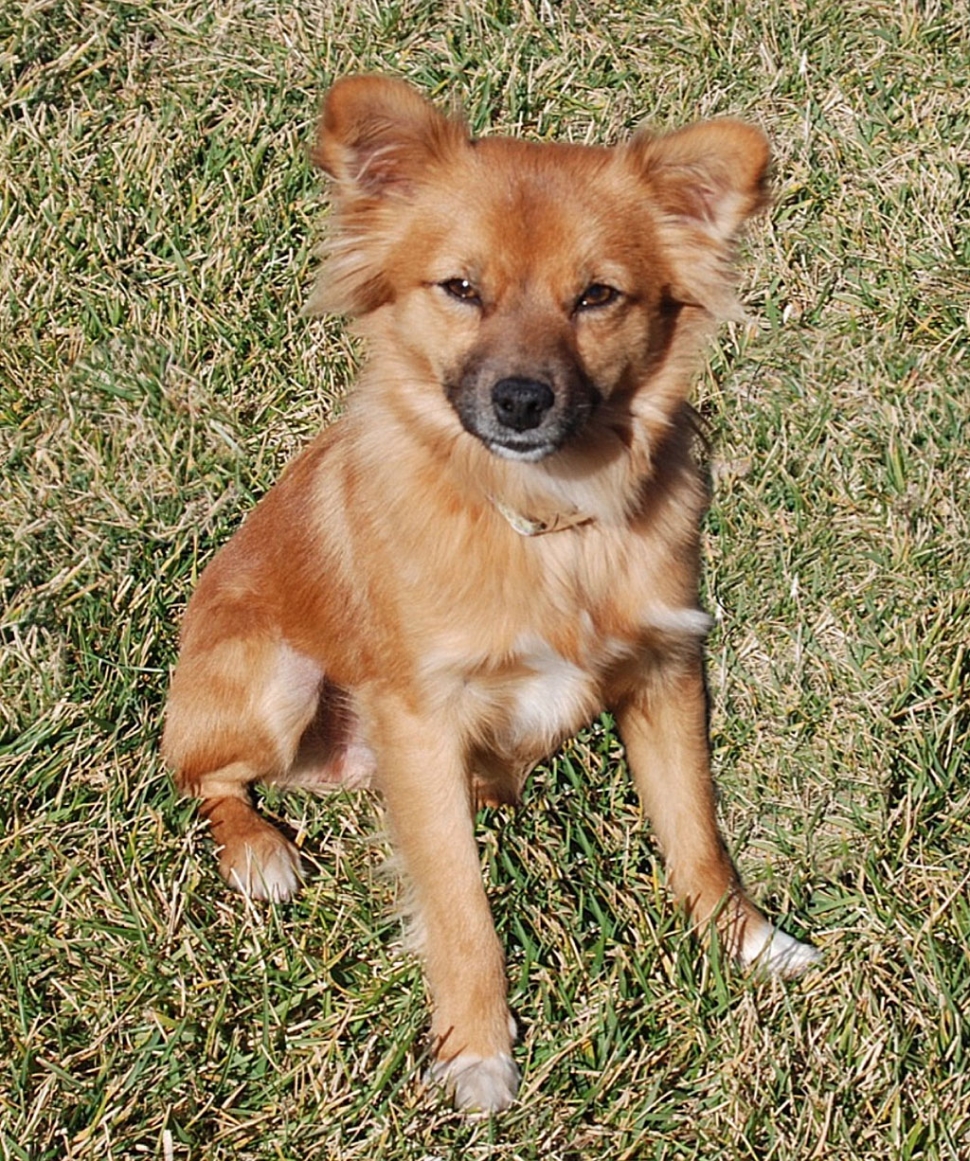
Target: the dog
pixel 498 540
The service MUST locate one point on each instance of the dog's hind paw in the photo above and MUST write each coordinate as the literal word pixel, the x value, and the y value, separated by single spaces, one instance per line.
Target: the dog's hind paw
pixel 479 1084
pixel 263 866
pixel 772 952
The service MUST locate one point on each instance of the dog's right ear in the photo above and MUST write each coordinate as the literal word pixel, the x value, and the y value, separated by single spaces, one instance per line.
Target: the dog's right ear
pixel 378 139
pixel 377 134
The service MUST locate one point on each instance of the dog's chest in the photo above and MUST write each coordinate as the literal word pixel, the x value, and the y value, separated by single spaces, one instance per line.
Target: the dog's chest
pixel 551 685
pixel 543 688
pixel 534 661
pixel 548 694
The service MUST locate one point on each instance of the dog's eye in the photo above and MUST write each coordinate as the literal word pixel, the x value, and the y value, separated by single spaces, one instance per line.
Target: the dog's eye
pixel 461 289
pixel 598 294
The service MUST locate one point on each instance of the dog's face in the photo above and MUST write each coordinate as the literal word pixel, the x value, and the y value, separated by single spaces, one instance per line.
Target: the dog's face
pixel 531 302
pixel 530 288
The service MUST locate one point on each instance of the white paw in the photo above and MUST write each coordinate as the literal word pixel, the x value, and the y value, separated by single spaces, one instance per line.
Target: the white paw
pixel 269 868
pixel 774 953
pixel 485 1084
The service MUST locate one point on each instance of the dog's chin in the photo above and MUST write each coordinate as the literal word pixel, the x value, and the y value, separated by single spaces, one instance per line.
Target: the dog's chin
pixel 524 453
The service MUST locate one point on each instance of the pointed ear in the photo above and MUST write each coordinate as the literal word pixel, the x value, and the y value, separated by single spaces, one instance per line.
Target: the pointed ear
pixel 377 133
pixel 379 140
pixel 712 174
pixel 706 181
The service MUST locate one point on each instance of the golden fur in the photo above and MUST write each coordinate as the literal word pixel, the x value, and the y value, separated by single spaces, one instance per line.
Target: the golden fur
pixel 500 537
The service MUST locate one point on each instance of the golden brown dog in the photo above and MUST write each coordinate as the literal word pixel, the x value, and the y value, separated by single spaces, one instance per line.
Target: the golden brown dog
pixel 499 538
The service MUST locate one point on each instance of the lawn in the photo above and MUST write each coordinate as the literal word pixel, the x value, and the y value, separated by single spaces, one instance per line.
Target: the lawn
pixel 158 220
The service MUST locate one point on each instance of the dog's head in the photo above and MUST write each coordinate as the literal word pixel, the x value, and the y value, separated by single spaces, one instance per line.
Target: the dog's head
pixel 532 291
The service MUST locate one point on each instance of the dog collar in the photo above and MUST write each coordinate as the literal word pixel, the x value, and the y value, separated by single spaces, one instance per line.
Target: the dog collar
pixel 533 526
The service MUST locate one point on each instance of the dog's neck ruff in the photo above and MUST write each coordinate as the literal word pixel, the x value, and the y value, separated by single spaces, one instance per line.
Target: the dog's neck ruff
pixel 536 525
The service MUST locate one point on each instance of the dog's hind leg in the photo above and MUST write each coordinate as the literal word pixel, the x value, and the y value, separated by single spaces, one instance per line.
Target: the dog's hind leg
pixel 664 730
pixel 238 707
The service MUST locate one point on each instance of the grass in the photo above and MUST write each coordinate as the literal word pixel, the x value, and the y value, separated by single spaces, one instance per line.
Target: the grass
pixel 158 216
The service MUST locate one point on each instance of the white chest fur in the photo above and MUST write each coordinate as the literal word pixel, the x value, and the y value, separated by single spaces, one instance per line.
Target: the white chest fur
pixel 549 696
pixel 530 696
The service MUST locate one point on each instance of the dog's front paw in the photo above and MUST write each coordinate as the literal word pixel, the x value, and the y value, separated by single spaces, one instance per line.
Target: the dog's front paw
pixel 479 1084
pixel 263 865
pixel 774 953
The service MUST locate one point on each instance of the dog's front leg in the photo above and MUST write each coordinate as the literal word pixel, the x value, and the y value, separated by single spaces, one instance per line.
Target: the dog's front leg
pixel 423 777
pixel 664 728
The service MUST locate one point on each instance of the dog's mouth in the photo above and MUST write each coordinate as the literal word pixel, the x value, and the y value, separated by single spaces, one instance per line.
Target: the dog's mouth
pixel 524 451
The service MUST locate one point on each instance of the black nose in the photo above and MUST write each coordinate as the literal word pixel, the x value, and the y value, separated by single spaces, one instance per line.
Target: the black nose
pixel 521 403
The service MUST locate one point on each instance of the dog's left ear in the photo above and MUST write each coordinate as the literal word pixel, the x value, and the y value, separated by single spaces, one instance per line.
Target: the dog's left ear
pixel 705 181
pixel 712 174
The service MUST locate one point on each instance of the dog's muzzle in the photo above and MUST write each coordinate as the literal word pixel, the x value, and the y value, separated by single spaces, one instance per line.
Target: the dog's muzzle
pixel 522 417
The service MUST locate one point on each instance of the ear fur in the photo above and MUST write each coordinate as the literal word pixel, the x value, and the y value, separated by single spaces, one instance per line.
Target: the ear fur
pixel 377 139
pixel 706 180
pixel 377 132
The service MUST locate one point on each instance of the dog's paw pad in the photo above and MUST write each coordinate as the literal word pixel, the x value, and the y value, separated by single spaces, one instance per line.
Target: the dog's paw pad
pixel 263 866
pixel 479 1084
pixel 774 953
